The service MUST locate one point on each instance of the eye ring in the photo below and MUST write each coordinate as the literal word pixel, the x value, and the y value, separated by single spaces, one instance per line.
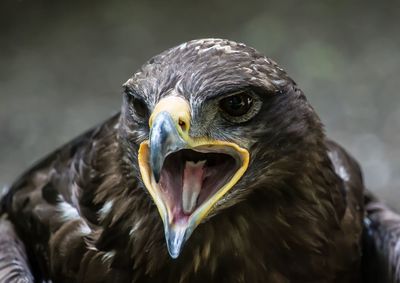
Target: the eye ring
pixel 138 105
pixel 240 106
pixel 236 105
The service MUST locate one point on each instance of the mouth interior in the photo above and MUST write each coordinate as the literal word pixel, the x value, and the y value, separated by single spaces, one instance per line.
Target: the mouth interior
pixel 189 178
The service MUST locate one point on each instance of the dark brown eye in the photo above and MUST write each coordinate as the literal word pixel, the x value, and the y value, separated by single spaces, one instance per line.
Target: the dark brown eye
pixel 236 105
pixel 139 106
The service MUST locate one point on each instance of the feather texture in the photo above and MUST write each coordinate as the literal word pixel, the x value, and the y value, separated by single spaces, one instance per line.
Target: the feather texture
pixel 381 242
pixel 296 215
pixel 14 266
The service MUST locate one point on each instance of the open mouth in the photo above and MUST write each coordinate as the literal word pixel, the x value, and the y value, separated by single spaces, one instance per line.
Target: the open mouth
pixel 185 176
pixel 189 178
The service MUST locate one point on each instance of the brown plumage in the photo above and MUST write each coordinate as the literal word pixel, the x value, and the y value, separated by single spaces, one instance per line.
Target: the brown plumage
pixel 85 214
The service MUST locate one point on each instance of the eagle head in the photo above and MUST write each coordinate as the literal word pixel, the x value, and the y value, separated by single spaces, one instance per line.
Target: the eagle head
pixel 208 123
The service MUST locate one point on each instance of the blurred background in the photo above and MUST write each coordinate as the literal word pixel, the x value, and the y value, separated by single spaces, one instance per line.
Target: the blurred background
pixel 62 64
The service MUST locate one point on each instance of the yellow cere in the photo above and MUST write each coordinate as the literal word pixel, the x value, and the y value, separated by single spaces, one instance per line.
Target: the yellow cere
pixel 179 110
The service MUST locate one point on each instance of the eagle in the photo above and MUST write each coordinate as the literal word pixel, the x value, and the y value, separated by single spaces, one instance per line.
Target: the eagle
pixel 216 169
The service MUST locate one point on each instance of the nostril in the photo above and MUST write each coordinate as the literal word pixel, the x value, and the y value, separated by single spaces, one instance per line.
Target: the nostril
pixel 182 124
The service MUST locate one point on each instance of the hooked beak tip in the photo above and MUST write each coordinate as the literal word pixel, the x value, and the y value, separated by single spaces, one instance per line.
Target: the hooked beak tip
pixel 176 237
pixel 157 177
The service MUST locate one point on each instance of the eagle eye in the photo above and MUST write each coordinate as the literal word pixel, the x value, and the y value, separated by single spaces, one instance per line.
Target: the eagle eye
pixel 140 107
pixel 137 104
pixel 236 105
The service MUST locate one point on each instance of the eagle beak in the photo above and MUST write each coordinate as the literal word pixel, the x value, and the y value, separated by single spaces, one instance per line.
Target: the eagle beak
pixel 185 176
pixel 164 140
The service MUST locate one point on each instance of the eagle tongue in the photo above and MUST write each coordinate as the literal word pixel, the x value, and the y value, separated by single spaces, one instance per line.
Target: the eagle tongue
pixel 192 182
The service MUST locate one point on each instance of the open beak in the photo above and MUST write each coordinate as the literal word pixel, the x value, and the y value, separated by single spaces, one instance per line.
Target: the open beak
pixel 185 176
